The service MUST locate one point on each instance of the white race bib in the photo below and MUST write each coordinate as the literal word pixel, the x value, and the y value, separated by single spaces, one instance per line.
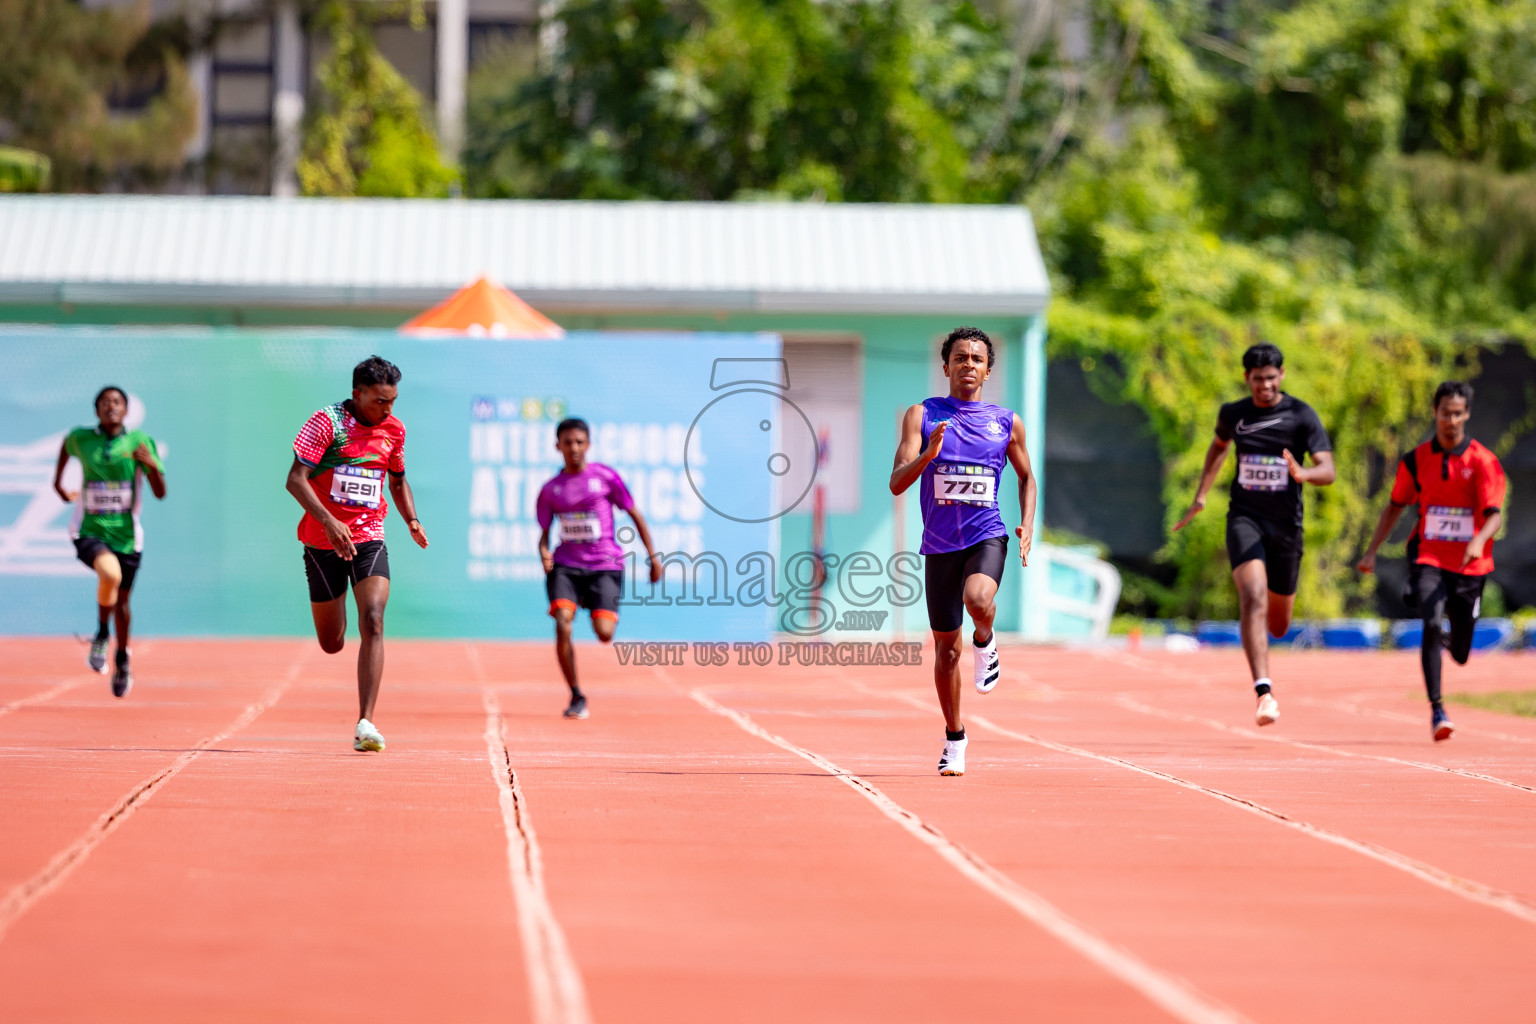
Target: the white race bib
pixel 1446 522
pixel 106 497
pixel 964 483
pixel 357 486
pixel 580 527
pixel 1262 473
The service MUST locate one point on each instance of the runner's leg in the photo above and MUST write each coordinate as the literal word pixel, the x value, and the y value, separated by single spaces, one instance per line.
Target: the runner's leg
pixel 1253 612
pixel 565 614
pixel 1462 603
pixel 981 603
pixel 603 624
pixel 1279 614
pixel 109 581
pixel 371 594
pixel 1429 585
pixel 946 677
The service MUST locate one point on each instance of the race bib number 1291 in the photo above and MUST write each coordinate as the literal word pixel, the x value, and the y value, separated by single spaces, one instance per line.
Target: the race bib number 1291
pixel 357 486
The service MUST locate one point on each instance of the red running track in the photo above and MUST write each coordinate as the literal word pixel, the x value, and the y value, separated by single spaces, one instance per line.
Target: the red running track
pixel 757 844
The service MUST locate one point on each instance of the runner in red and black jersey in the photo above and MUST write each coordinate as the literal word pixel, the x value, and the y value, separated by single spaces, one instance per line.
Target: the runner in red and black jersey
pixel 341 458
pixel 1458 486
pixel 1272 432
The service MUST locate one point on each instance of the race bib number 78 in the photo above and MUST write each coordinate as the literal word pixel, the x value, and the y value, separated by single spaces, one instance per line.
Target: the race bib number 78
pixel 357 486
pixel 965 484
pixel 1446 522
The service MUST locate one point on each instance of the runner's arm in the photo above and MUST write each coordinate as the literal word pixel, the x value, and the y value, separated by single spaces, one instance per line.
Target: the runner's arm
pixel 1389 517
pixel 405 501
pixel 1321 474
pixel 335 532
pixel 645 538
pixel 1018 454
pixel 1481 538
pixel 545 555
pixel 1215 455
pixel 152 471
pixel 58 475
pixel 911 457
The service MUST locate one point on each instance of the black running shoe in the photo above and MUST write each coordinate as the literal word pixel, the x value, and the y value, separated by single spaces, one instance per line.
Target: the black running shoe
pixel 122 679
pixel 578 708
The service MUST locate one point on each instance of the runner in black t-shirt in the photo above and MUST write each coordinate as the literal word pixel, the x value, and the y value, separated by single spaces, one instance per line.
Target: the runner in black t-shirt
pixel 1272 432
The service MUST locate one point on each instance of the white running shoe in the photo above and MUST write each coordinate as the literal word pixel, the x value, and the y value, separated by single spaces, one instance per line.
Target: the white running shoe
pixel 952 761
pixel 1269 710
pixel 988 670
pixel 367 737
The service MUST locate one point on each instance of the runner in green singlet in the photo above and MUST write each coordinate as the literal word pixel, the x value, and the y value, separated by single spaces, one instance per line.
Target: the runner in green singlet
pixel 114 463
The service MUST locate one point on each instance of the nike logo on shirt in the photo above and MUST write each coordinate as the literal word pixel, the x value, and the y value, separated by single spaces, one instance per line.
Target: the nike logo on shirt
pixel 1248 428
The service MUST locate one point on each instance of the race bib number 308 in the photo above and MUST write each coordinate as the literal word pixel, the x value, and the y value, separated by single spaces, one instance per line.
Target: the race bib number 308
pixel 1262 473
pixel 965 484
pixel 1446 522
pixel 357 486
pixel 106 497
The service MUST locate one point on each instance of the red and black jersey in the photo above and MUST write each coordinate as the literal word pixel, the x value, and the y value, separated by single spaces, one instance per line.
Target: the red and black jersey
pixel 1456 491
pixel 348 459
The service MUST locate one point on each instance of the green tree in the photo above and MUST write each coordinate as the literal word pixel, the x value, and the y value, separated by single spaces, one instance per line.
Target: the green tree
pixel 861 101
pixel 365 133
pixel 61 64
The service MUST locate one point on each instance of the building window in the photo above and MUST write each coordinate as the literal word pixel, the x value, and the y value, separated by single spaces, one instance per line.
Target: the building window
pixel 826 381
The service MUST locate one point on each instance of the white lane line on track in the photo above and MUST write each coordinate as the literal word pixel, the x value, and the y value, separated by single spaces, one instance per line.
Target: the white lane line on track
pixel 1477 892
pixel 40 697
pixel 26 895
pixel 1398 716
pixel 555 989
pixel 1170 992
pixel 1132 704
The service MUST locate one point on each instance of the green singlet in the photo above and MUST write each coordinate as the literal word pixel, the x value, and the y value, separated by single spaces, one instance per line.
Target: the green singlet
pixel 108 507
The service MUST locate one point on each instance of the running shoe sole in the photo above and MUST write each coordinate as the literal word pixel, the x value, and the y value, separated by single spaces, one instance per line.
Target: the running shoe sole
pixel 371 745
pixel 1444 731
pixel 1268 712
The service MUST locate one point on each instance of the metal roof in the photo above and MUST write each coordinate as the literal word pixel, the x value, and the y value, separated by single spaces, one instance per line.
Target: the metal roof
pixel 570 256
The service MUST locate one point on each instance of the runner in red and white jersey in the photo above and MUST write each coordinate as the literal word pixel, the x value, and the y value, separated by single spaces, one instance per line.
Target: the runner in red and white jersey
pixel 1458 486
pixel 342 457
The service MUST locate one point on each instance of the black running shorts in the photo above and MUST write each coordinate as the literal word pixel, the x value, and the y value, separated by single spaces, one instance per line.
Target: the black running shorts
pixel 1249 537
pixel 944 577
pixel 88 548
pixel 596 590
pixel 328 572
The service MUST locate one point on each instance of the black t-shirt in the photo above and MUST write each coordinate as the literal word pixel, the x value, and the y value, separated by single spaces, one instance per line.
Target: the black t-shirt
pixel 1263 487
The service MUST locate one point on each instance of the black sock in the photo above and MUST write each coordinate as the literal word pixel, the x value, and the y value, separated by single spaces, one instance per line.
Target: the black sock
pixel 1261 689
pixel 576 693
pixel 122 657
pixel 955 735
pixel 101 625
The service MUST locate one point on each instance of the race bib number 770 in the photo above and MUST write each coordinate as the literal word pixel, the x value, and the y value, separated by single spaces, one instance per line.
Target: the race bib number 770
pixel 964 483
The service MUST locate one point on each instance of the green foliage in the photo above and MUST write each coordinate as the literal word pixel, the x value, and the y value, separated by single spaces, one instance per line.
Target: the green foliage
pixel 863 101
pixel 1162 314
pixel 365 133
pixel 22 170
pixel 60 63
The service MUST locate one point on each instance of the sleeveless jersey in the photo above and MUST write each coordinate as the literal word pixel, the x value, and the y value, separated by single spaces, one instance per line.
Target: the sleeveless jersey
pixel 959 487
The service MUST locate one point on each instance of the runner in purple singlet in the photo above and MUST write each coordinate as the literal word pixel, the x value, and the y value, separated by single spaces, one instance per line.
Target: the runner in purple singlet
pixel 957 446
pixel 586 570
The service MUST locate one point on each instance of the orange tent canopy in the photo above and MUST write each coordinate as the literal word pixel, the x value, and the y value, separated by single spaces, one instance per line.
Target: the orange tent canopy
pixel 483 309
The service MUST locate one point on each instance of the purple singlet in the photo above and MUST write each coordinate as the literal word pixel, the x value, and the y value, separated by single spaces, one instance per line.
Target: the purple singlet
pixel 583 503
pixel 959 487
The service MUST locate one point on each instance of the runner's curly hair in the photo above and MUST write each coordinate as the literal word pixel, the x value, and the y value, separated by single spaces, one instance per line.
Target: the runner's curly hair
pixel 375 370
pixel 1453 389
pixel 968 334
